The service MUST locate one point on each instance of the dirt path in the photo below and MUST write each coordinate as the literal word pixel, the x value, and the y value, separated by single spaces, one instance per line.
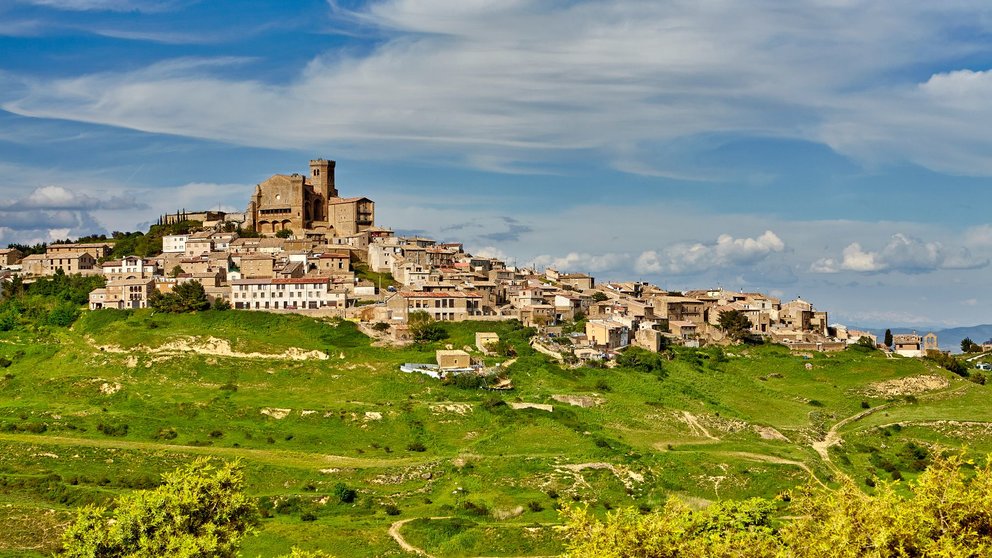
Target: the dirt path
pixel 696 427
pixel 394 532
pixel 833 436
pixel 776 460
pixel 287 458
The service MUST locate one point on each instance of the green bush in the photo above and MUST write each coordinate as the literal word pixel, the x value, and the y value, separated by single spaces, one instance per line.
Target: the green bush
pixel 344 494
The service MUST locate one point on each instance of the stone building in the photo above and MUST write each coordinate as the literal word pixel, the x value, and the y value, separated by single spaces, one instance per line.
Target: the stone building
pixel 308 204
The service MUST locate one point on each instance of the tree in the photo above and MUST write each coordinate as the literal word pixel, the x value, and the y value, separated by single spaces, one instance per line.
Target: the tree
pixel 64 314
pixel 888 338
pixel 865 342
pixel 599 296
pixel 284 233
pixel 185 297
pixel 642 360
pixel 199 511
pixel 424 329
pixel 969 346
pixel 735 324
pixel 177 270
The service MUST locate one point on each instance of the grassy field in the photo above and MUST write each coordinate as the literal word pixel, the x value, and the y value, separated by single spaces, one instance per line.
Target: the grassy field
pixel 105 407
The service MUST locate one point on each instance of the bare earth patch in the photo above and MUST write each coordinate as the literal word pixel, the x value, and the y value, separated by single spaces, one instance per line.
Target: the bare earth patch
pixel 584 401
pixel 907 386
pixel 277 414
pixel 538 406
pixel 769 433
pixel 214 347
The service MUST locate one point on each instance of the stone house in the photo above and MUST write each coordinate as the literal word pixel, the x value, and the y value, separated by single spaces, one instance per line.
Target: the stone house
pixel 607 334
pixel 129 267
pixel 441 306
pixel 257 266
pixel 98 250
pixel 10 256
pixel 453 359
pixel 122 293
pixel 70 263
pixel 908 345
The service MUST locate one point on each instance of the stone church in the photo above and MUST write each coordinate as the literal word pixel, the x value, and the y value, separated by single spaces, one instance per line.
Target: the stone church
pixel 307 204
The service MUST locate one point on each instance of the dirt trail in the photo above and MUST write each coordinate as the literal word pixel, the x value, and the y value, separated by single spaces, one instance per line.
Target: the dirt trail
pixel 286 458
pixel 394 532
pixel 833 436
pixel 776 460
pixel 696 427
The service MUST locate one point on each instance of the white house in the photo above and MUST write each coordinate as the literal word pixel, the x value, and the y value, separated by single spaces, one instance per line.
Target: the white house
pixel 304 293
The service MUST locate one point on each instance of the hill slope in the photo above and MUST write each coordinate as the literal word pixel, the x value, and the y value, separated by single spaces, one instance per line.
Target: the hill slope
pixel 105 407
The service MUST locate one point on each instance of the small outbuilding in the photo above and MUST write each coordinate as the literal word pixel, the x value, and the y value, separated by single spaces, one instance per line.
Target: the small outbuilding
pixel 484 339
pixel 449 359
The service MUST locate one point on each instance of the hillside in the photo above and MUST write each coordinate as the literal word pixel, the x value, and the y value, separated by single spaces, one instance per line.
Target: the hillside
pixel 315 408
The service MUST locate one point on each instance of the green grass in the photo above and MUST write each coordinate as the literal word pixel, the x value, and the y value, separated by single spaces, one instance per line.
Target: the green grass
pixel 500 473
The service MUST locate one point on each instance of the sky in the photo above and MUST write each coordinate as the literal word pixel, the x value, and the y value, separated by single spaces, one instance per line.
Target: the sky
pixel 837 150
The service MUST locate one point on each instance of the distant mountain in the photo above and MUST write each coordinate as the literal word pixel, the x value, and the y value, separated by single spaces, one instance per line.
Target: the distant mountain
pixel 949 339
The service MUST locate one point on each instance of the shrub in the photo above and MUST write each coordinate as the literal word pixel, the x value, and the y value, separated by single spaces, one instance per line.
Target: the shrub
pixel 116 430
pixel 535 506
pixel 344 494
pixel 308 516
pixel 865 405
pixel 5 362
pixel 391 509
pixel 416 446
pixel 64 314
pixel 216 434
pixel 475 509
pixel 167 434
pixel 380 327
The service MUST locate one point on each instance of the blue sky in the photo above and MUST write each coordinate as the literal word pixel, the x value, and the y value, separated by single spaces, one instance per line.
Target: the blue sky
pixel 833 149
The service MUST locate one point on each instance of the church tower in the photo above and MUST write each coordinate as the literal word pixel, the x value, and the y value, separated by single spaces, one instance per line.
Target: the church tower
pixel 322 178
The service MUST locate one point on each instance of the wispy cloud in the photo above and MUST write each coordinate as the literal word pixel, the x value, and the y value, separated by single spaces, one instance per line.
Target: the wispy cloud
pixel 108 5
pixel 537 82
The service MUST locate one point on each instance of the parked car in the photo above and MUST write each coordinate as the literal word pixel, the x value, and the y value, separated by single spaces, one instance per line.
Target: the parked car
pixel 984 366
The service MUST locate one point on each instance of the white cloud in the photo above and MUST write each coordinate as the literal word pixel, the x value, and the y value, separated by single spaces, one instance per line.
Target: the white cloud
pixel 527 83
pixel 727 251
pixel 583 262
pixel 902 253
pixel 979 236
pixel 489 252
pixel 60 198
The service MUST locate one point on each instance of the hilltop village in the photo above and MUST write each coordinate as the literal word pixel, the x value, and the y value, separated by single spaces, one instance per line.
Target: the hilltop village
pixel 300 247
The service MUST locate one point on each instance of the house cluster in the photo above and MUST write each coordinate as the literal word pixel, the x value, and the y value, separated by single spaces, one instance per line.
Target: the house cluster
pixel 312 240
